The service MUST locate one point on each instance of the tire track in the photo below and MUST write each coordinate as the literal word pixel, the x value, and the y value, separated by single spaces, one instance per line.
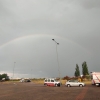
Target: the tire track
pixel 82 94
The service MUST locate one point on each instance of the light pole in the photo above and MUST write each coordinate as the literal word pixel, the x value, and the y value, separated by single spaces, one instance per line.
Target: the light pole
pixel 13 70
pixel 57 58
pixel 31 74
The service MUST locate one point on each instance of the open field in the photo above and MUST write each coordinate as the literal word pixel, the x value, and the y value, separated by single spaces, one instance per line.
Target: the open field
pixel 37 91
pixel 62 81
pixel 41 81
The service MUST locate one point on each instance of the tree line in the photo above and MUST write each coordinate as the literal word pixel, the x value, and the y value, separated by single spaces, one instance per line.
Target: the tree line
pixel 4 76
pixel 84 70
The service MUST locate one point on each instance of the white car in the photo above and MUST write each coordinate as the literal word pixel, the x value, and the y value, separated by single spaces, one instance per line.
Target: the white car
pixel 74 83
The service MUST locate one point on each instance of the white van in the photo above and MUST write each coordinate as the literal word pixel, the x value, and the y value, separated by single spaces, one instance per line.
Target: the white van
pixel 51 82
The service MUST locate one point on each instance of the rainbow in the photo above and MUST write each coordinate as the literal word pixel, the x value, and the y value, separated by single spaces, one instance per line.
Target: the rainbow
pixel 41 36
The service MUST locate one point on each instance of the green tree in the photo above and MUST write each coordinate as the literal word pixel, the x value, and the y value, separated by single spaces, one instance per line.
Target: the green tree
pixel 85 68
pixel 77 71
pixel 0 77
pixel 4 76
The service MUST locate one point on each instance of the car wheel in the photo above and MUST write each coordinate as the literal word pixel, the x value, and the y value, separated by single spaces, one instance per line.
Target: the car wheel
pixel 68 85
pixel 80 85
pixel 56 85
pixel 46 84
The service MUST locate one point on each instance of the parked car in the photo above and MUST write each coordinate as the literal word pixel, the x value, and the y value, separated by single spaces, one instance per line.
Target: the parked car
pixel 22 80
pixel 74 83
pixel 51 82
pixel 28 80
pixel 25 80
pixel 3 79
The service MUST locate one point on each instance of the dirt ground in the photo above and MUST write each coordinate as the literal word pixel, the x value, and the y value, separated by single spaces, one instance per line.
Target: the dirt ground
pixel 33 91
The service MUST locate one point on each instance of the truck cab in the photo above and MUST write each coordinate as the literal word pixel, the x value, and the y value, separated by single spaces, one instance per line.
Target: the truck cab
pixel 51 82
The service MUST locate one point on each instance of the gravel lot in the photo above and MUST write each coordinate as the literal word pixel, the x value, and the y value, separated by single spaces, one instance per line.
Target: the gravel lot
pixel 31 91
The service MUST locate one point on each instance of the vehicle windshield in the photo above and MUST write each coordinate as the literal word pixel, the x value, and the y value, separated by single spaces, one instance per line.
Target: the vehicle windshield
pixel 73 81
pixel 56 80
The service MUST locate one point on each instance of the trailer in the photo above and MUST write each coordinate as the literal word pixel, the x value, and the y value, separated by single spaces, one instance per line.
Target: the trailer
pixel 95 78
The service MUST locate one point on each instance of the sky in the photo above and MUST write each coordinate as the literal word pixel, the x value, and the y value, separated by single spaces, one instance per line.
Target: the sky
pixel 27 28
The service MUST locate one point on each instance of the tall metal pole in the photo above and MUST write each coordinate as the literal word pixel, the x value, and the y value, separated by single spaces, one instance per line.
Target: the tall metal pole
pixel 13 70
pixel 57 58
pixel 31 74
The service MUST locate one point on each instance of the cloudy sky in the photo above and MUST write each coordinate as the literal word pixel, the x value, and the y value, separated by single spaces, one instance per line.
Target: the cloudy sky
pixel 27 28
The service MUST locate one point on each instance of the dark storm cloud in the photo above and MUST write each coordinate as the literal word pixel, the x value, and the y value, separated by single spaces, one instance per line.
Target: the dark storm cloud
pixel 27 29
pixel 89 4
